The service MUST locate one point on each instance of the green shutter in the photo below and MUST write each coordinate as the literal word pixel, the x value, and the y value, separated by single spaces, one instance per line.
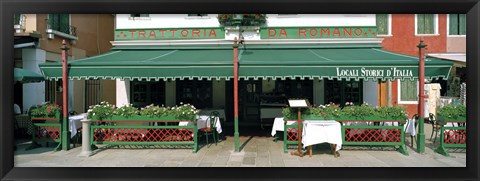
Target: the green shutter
pixel 382 24
pixel 420 24
pixel 453 24
pixel 463 24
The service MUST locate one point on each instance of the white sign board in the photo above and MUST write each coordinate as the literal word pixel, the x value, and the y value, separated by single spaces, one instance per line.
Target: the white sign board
pixel 298 103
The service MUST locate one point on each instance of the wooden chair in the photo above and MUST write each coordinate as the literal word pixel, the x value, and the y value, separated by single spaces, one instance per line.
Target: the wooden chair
pixel 436 126
pixel 211 129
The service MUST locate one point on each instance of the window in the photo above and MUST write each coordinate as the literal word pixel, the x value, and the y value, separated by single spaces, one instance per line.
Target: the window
pixel 139 15
pixel 195 92
pixel 426 24
pixel 341 91
pixel 383 24
pixel 457 24
pixel 59 22
pixel 17 19
pixel 144 93
pixel 408 91
pixel 92 93
pixel 194 15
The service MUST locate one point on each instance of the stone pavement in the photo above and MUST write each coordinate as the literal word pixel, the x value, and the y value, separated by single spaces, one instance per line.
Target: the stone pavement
pixel 255 151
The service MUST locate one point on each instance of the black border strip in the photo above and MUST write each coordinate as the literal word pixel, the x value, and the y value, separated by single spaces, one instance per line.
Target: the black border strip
pixel 9 7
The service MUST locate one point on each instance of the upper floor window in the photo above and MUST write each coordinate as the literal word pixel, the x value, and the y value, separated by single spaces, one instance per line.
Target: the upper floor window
pixel 197 15
pixel 457 24
pixel 383 24
pixel 59 22
pixel 426 24
pixel 407 91
pixel 139 15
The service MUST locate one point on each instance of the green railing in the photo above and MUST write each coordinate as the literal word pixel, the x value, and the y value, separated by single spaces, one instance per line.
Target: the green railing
pixel 164 133
pixel 360 135
pixel 452 136
pixel 46 132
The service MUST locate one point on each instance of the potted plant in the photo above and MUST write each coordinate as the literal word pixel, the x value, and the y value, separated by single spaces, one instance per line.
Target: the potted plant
pixel 392 112
pixel 452 113
pixel 327 111
pixel 242 19
pixel 101 111
pixel 49 110
pixel 357 112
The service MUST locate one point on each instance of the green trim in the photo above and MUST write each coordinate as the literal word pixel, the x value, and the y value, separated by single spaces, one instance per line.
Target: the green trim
pixel 138 118
pixel 146 143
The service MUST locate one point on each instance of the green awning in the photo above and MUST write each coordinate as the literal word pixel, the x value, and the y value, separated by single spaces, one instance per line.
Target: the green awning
pixel 26 76
pixel 148 64
pixel 340 63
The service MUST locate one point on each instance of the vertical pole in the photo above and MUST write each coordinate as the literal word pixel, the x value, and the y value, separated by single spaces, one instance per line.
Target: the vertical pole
pixel 421 97
pixel 235 94
pixel 65 132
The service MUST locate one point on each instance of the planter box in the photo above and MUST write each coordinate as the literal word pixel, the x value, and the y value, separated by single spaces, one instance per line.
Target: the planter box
pixel 56 116
pixel 347 118
pixel 141 118
pixel 447 119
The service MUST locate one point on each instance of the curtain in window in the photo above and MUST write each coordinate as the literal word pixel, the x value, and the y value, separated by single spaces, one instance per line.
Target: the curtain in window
pixel 425 24
pixel 453 24
pixel 382 24
pixel 463 24
pixel 408 91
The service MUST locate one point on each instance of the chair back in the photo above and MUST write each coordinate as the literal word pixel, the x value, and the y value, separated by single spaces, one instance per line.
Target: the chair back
pixel 212 119
pixel 435 120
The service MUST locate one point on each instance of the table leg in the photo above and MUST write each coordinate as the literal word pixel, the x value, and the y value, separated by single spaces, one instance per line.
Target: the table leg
pixel 334 152
pixel 310 151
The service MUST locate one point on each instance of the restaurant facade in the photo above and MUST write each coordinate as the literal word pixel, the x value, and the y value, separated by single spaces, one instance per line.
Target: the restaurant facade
pixel 189 58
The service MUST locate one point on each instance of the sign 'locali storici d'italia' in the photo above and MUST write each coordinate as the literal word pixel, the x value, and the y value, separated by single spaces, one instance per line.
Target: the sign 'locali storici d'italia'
pixel 317 32
pixel 170 34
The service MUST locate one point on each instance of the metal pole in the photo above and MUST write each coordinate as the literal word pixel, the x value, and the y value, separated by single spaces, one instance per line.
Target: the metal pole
pixel 235 94
pixel 65 132
pixel 421 97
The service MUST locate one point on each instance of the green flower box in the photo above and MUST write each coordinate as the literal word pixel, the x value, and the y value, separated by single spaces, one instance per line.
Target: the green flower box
pixel 346 118
pixel 452 119
pixel 142 118
pixel 56 116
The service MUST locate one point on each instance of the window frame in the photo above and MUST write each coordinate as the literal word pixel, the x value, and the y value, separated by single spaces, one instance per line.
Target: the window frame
pixel 448 28
pixel 435 26
pixel 389 17
pixel 130 17
pixel 399 93
pixel 198 16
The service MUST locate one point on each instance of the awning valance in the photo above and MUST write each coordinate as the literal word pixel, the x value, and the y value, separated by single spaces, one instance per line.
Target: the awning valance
pixel 148 64
pixel 330 63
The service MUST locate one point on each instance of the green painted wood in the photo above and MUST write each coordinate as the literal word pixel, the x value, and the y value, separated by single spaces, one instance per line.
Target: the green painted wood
pixel 146 143
pixel 143 118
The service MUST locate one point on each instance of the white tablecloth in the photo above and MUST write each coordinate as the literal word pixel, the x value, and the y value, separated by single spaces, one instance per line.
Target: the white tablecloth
pixel 75 123
pixel 221 112
pixel 324 131
pixel 278 125
pixel 202 123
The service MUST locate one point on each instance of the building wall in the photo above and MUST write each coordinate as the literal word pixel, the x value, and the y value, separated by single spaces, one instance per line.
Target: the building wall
pixel 404 41
pixel 33 93
pixel 457 44
pixel 94 34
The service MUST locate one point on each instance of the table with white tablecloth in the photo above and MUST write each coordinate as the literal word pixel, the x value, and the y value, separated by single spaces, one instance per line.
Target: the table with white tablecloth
pixel 75 123
pixel 221 112
pixel 202 123
pixel 278 125
pixel 322 131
